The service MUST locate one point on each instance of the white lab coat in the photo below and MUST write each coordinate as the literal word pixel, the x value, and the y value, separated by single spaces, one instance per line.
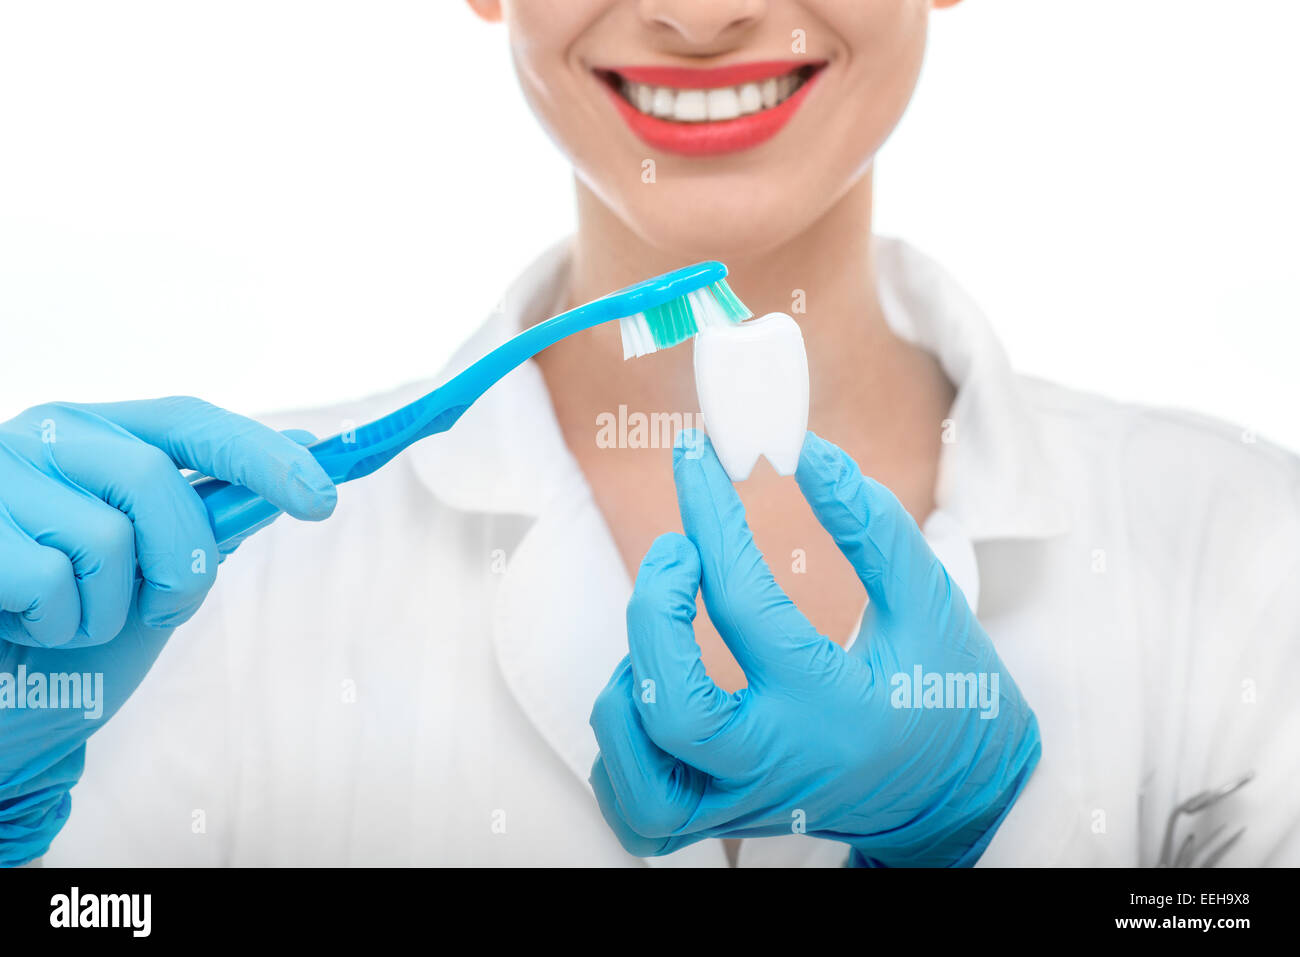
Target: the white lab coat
pixel 410 681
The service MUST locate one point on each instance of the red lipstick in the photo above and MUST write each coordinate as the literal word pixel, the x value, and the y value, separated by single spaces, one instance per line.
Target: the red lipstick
pixel 710 138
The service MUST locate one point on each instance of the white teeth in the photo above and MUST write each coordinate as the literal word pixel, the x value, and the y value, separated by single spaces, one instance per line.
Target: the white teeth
pixel 664 100
pixel 644 97
pixel 751 98
pixel 691 107
pixel 723 103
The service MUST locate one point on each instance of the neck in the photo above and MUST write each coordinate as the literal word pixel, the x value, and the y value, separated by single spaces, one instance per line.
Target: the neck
pixel 862 375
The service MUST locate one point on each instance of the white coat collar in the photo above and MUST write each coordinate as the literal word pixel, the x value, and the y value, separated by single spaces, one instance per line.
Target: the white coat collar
pixel 507 454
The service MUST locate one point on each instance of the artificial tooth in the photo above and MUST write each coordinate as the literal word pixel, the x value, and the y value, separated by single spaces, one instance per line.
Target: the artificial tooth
pixel 752 383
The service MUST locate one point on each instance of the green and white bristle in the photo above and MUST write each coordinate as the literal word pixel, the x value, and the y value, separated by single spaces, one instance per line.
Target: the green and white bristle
pixel 678 320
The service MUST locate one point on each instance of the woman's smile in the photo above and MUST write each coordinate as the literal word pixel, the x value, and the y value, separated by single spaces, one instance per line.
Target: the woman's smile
pixel 758 115
pixel 704 112
pixel 701 112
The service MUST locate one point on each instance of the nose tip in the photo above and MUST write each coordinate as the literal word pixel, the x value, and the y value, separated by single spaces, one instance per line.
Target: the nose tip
pixel 702 22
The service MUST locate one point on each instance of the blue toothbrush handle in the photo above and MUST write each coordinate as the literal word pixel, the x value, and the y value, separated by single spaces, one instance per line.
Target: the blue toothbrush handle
pixel 235 512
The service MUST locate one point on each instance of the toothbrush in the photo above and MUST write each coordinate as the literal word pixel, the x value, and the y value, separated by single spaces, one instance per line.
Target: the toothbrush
pixel 654 314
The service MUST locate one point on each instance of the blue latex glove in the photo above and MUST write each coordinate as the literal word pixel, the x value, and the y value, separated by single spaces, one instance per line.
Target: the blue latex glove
pixel 815 742
pixel 104 550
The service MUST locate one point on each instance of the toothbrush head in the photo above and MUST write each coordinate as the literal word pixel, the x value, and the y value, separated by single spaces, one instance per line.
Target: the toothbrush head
pixel 677 306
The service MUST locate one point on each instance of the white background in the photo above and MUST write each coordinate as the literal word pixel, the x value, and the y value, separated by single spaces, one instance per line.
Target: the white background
pixel 279 203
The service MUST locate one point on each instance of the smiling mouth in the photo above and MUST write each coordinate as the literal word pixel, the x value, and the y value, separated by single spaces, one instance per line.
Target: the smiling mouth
pixel 691 101
pixel 711 111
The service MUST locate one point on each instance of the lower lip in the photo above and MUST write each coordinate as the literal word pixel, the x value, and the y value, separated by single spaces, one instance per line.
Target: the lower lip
pixel 711 139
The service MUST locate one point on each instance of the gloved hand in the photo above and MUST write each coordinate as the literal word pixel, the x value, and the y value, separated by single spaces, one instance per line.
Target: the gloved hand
pixel 104 550
pixel 821 740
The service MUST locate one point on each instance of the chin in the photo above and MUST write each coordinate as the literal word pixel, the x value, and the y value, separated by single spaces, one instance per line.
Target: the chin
pixel 705 218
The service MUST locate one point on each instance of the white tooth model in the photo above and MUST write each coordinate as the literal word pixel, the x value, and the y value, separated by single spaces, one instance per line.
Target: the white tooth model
pixel 752 381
